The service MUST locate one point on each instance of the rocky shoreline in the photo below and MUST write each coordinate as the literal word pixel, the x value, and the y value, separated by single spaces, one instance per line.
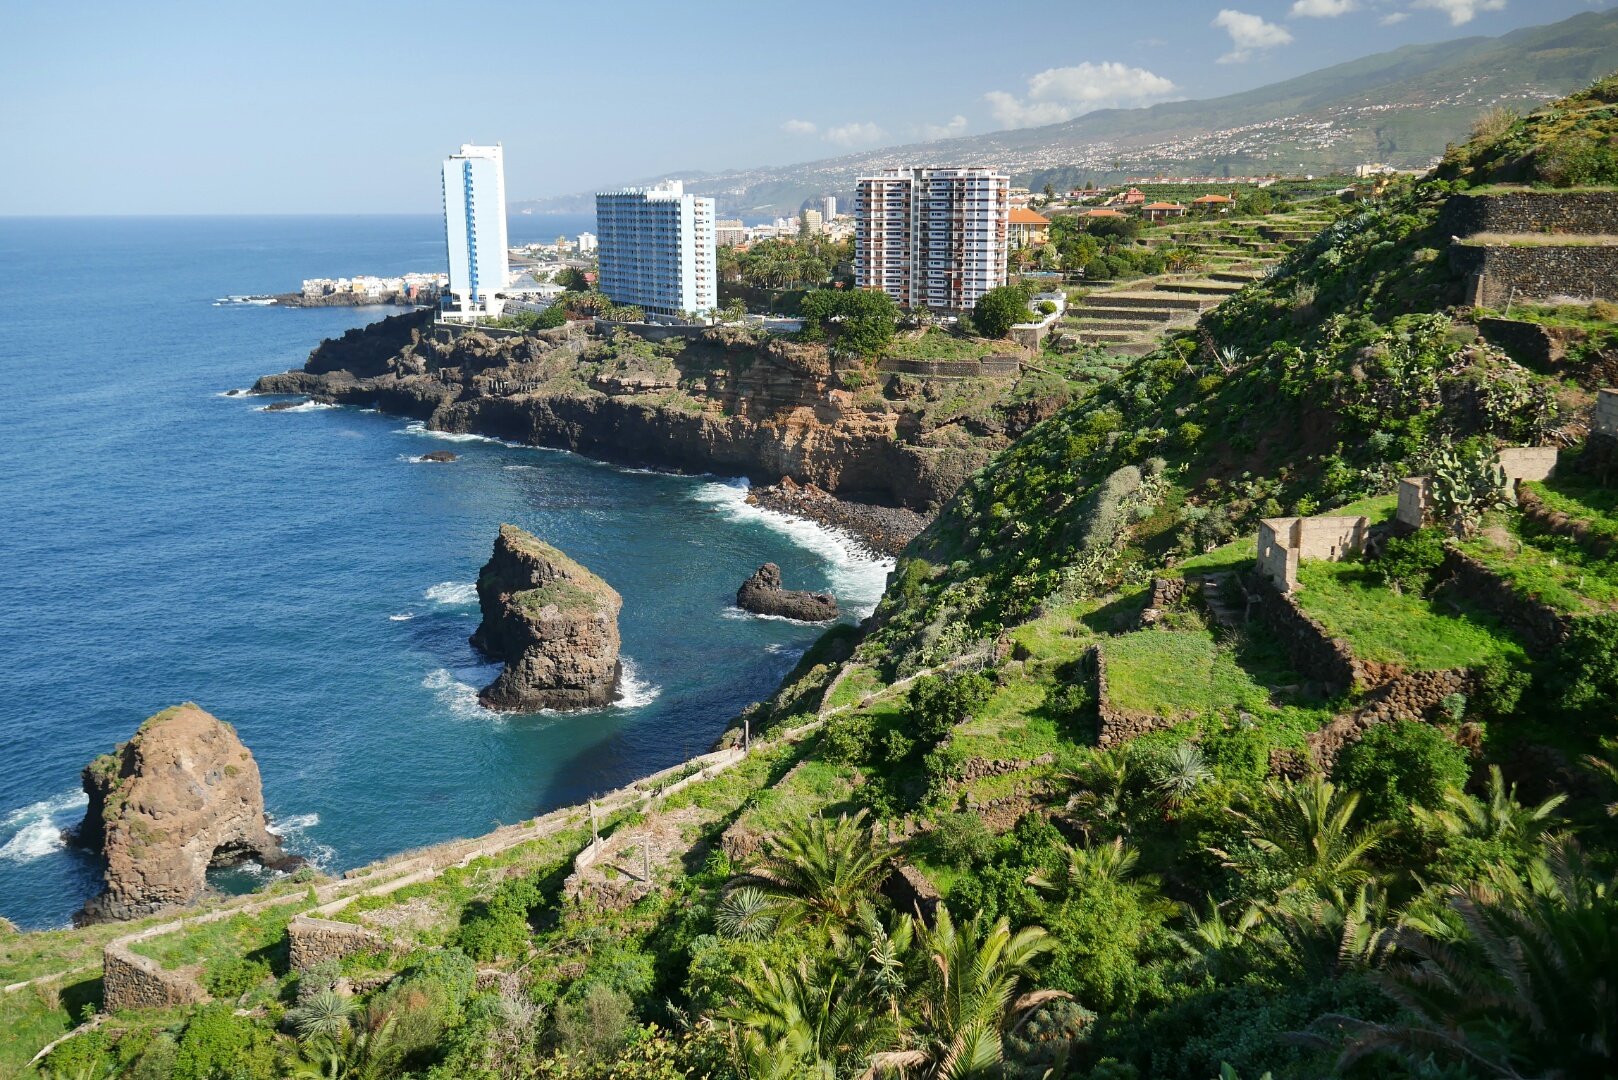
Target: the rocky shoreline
pixel 885 530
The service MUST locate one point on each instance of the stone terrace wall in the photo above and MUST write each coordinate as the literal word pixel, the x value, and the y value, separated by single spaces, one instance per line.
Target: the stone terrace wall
pixel 1503 274
pixel 1539 625
pixel 989 366
pixel 1531 211
pixel 312 940
pixel 1119 725
pixel 1415 695
pixel 1310 647
pixel 132 981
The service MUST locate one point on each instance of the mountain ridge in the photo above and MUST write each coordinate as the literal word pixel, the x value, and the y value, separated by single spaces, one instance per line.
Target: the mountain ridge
pixel 1402 106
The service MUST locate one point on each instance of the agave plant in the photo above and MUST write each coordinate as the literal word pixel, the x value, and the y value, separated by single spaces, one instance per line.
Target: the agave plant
pixel 324 1015
pixel 746 914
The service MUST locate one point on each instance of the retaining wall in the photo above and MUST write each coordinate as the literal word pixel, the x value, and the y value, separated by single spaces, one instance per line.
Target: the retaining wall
pixel 311 940
pixel 1313 652
pixel 1501 274
pixel 988 367
pixel 1530 211
pixel 132 981
pixel 1119 725
pixel 1540 626
pixel 1415 695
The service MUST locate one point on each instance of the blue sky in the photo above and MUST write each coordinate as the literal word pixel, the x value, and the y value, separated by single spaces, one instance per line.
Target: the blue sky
pixel 346 107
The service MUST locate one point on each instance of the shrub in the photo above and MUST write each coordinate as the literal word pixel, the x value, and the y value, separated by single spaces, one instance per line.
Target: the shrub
pixel 960 840
pixel 1047 307
pixel 499 926
pixel 998 310
pixel 864 319
pixel 218 1043
pixel 1409 562
pixel 939 702
pixel 1586 680
pixel 849 737
pixel 231 977
pixel 596 1023
pixel 1501 685
pixel 449 968
pixel 1394 765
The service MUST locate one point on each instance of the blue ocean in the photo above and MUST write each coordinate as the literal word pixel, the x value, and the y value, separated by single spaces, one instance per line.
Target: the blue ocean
pixel 302 575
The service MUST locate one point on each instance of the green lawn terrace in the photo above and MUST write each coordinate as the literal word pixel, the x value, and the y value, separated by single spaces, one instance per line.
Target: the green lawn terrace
pixel 1568 566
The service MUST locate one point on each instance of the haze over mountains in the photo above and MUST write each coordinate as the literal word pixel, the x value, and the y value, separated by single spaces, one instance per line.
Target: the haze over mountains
pixel 1399 107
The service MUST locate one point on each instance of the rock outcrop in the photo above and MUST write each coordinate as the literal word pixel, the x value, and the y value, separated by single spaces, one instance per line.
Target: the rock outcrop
pixel 440 455
pixel 762 594
pixel 553 623
pixel 181 796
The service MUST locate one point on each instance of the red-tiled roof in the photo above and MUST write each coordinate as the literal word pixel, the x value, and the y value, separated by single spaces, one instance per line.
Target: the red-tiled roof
pixel 1214 199
pixel 1104 212
pixel 1163 206
pixel 1022 216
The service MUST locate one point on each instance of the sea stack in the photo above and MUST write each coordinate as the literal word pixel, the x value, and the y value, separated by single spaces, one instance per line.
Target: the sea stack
pixel 179 797
pixel 762 594
pixel 553 623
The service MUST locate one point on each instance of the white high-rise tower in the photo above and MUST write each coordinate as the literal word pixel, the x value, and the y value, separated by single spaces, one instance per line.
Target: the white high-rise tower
pixel 475 230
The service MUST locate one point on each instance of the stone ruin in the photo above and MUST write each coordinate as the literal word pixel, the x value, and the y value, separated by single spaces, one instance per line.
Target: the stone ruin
pixel 1285 542
pixel 1521 464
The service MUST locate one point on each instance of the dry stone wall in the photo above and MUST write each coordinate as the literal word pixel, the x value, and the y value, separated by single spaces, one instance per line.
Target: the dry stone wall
pixel 1312 650
pixel 132 981
pixel 1119 725
pixel 1504 274
pixel 1540 626
pixel 311 940
pixel 1531 211
pixel 1416 695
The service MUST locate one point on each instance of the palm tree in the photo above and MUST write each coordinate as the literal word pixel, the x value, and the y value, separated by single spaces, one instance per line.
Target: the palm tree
pixel 366 1054
pixel 746 914
pixel 1112 862
pixel 1335 929
pixel 961 1014
pixel 1214 942
pixel 1178 773
pixel 1307 826
pixel 1103 778
pixel 1608 770
pixel 803 1021
pixel 1501 817
pixel 1527 987
pixel 820 869
pixel 324 1015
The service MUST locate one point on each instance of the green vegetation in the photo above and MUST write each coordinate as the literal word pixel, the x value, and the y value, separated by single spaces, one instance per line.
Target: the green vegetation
pixel 1566 144
pixel 857 321
pixel 998 310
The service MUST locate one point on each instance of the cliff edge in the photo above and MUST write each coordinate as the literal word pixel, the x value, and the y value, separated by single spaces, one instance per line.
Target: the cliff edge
pixel 184 794
pixel 553 623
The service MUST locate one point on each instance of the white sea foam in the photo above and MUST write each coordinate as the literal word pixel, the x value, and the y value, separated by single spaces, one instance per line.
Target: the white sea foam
pixel 403 616
pixel 734 612
pixel 775 648
pixel 293 831
pixel 36 830
pixel 307 406
pixel 417 427
pixel 244 392
pixel 634 691
pixel 857 577
pixel 459 696
pixel 453 593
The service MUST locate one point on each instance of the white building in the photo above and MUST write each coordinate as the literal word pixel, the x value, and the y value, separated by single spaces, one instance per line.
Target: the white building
pixel 828 209
pixel 729 231
pixel 933 238
pixel 475 230
pixel 812 223
pixel 587 242
pixel 657 249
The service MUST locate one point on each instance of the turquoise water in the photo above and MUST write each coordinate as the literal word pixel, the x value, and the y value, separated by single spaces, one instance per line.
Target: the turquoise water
pixel 300 575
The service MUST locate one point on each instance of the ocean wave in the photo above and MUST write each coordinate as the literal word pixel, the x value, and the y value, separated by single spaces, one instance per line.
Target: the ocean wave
pixel 453 593
pixel 459 696
pixel 244 392
pixel 403 616
pixel 307 406
pixel 775 648
pixel 858 578
pixel 293 832
pixel 734 612
pixel 418 427
pixel 36 830
pixel 634 692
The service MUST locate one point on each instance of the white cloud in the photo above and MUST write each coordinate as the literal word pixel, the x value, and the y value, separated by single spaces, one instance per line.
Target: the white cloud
pixel 956 126
pixel 1059 94
pixel 1322 9
pixel 1460 11
pixel 799 127
pixel 854 134
pixel 1393 18
pixel 1249 33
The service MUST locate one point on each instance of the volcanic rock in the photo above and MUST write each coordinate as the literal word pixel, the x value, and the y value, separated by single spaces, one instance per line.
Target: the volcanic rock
pixel 440 455
pixel 282 406
pixel 553 623
pixel 762 594
pixel 179 797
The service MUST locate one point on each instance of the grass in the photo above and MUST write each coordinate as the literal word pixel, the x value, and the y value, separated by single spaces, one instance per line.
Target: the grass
pixel 32 1017
pixel 239 935
pixel 855 685
pixel 1240 554
pixel 1394 628
pixel 1551 569
pixel 936 344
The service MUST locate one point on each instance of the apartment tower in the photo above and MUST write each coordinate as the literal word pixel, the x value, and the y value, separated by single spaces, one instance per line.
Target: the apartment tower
pixel 656 250
pixel 475 230
pixel 933 238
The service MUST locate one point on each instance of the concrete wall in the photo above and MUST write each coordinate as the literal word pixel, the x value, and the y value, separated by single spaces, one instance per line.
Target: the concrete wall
pixel 1531 211
pixel 1414 502
pixel 1500 274
pixel 652 331
pixel 1606 417
pixel 1531 463
pixel 1284 542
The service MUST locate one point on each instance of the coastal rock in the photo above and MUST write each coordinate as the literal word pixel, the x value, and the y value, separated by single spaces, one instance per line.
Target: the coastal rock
pixel 762 594
pixel 283 406
pixel 440 455
pixel 181 796
pixel 553 623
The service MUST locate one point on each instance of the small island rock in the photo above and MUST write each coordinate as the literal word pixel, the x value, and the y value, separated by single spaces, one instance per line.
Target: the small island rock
pixel 440 455
pixel 553 623
pixel 282 406
pixel 182 795
pixel 762 594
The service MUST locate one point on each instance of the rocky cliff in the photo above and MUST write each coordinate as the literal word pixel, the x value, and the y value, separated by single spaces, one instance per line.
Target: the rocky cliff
pixel 763 594
pixel 717 400
pixel 179 797
pixel 553 623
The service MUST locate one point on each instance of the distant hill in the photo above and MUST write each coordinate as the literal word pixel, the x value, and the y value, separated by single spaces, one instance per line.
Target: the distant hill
pixel 1398 107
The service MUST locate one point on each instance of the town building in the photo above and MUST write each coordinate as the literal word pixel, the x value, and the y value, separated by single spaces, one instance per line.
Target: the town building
pixel 1220 203
pixel 1025 228
pixel 657 250
pixel 828 209
pixel 813 223
pixel 587 242
pixel 1158 211
pixel 933 238
pixel 475 231
pixel 729 232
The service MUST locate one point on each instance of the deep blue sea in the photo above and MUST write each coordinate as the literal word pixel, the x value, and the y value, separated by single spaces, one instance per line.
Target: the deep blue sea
pixel 301 575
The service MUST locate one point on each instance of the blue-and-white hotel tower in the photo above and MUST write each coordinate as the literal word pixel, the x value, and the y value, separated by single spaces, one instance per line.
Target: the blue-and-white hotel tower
pixel 475 229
